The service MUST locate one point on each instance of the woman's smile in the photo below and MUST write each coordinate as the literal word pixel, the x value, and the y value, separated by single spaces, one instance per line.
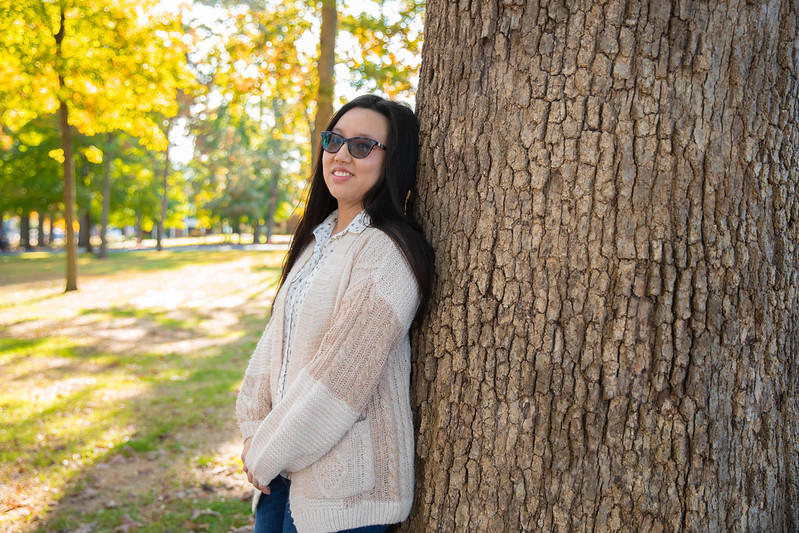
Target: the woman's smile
pixel 341 174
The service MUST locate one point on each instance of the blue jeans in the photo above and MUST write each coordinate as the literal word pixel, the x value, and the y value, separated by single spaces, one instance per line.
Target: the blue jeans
pixel 274 514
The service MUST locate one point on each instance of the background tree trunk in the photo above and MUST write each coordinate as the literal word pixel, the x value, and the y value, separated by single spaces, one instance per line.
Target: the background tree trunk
pixel 161 226
pixel 50 229
pixel 106 201
pixel 41 241
pixel 139 229
pixel 69 172
pixel 611 191
pixel 326 70
pixel 25 231
pixel 271 207
pixel 256 231
pixel 85 231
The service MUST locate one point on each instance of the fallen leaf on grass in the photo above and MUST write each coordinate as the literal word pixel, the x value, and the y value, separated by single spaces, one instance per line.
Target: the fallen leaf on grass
pixel 13 504
pixel 19 512
pixel 85 528
pixel 200 512
pixel 88 493
pixel 126 524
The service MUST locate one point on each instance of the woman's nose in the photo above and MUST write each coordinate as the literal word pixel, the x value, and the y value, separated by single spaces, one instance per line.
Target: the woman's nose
pixel 343 153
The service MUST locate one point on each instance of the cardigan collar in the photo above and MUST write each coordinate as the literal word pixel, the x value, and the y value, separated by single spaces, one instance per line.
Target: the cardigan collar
pixel 323 231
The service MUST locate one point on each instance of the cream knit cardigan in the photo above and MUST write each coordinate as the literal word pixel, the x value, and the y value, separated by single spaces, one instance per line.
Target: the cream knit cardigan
pixel 344 430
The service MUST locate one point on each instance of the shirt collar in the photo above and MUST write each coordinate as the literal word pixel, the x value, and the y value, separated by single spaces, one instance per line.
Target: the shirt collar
pixel 323 231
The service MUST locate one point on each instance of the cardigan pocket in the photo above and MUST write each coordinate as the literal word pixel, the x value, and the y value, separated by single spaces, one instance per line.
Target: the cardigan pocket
pixel 347 469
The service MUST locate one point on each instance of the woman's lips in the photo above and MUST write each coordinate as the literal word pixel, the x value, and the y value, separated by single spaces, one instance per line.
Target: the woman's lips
pixel 341 174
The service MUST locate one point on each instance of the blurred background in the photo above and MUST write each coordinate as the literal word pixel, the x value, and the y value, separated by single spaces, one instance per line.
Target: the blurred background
pixel 172 140
pixel 195 113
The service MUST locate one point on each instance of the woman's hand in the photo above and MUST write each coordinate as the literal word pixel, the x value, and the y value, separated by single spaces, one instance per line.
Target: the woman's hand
pixel 250 477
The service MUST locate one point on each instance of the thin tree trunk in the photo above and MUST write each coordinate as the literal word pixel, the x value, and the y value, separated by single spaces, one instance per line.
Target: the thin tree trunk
pixel 4 244
pixel 326 70
pixel 69 199
pixel 106 203
pixel 613 342
pixel 25 231
pixel 270 224
pixel 50 229
pixel 162 219
pixel 139 229
pixel 272 203
pixel 256 232
pixel 85 231
pixel 69 174
pixel 40 240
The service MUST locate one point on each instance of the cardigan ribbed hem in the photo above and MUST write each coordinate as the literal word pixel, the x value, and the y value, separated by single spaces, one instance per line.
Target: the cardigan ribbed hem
pixel 319 516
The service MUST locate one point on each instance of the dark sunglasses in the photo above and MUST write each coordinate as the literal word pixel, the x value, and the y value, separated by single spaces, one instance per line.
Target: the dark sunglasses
pixel 359 147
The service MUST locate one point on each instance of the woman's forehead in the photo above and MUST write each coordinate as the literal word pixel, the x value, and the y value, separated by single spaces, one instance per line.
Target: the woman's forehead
pixel 362 122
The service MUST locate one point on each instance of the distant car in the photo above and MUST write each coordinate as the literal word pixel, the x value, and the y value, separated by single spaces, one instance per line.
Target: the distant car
pixel 4 245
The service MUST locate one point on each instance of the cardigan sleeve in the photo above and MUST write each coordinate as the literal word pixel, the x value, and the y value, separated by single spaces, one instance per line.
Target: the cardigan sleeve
pixel 254 401
pixel 328 395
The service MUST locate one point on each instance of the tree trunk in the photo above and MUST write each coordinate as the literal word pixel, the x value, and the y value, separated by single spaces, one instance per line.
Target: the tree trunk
pixel 106 203
pixel 85 231
pixel 614 335
pixel 50 229
pixel 256 231
pixel 25 231
pixel 69 199
pixel 69 174
pixel 270 222
pixel 326 70
pixel 271 207
pixel 162 219
pixel 139 229
pixel 40 239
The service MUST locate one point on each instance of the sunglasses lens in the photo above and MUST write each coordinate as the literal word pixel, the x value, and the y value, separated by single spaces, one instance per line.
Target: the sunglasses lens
pixel 331 142
pixel 359 148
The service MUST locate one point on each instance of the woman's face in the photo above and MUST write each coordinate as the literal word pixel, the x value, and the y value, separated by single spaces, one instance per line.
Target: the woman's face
pixel 346 177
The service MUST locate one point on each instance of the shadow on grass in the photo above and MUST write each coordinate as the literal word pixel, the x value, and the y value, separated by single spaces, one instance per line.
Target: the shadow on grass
pixel 26 348
pixel 139 429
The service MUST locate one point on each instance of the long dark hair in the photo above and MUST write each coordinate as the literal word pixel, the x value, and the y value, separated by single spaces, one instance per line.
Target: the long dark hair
pixel 385 202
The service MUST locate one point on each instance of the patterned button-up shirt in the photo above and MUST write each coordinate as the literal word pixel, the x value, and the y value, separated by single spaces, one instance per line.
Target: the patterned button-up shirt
pixel 325 244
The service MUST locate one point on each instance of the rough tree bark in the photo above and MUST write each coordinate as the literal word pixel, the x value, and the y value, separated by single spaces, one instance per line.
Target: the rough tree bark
pixel 611 188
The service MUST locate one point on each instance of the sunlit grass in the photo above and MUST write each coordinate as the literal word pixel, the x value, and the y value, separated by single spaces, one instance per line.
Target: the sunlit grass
pixel 51 266
pixel 104 379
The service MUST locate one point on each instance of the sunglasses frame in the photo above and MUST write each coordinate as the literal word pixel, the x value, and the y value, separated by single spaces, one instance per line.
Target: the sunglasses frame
pixel 333 134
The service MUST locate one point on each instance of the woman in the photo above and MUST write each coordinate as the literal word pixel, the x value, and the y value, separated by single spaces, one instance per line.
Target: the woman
pixel 325 404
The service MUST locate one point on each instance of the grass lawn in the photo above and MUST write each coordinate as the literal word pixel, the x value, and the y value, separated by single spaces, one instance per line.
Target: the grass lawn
pixel 117 400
